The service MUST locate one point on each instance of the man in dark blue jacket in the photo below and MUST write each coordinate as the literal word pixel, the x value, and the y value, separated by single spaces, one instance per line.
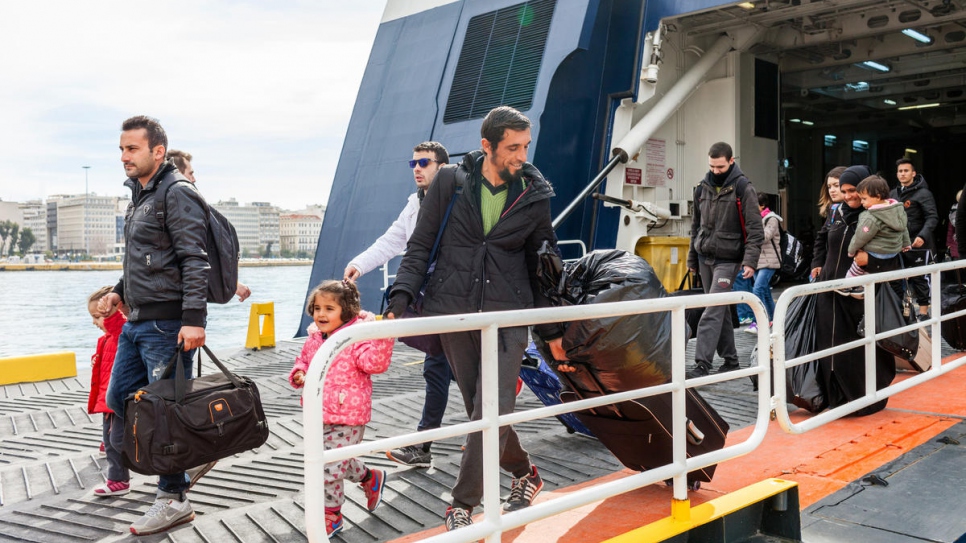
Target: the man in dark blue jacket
pixel 164 286
pixel 726 236
pixel 487 262
pixel 923 218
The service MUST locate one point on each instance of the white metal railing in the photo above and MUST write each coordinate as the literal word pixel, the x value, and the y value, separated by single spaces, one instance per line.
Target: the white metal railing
pixel 868 342
pixel 494 522
pixel 388 278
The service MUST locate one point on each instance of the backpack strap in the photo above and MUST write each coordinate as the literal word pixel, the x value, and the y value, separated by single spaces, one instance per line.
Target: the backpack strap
pixel 739 194
pixel 442 226
pixel 169 180
pixel 781 256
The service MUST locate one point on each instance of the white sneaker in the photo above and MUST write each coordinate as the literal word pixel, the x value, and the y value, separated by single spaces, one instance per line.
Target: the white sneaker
pixel 164 514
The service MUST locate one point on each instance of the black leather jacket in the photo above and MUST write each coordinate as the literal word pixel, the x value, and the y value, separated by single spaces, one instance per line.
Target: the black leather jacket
pixel 165 269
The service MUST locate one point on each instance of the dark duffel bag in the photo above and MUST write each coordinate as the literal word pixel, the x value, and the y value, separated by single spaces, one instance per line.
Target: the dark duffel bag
pixel 176 424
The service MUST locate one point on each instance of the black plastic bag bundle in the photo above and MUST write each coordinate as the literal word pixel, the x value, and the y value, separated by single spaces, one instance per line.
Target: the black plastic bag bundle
pixel 624 353
pixel 804 389
pixel 953 298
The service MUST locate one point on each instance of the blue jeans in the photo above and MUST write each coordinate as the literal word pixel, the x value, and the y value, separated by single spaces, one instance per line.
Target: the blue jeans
pixel 763 290
pixel 143 351
pixel 744 285
pixel 437 373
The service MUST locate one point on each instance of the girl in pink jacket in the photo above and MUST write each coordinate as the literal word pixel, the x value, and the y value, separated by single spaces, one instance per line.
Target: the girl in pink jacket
pixel 346 392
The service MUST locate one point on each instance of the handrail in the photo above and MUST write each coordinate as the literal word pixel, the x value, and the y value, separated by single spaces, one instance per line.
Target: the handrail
pixel 594 183
pixel 780 365
pixel 494 523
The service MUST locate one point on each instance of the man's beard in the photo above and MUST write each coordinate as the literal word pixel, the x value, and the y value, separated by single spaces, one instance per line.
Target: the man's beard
pixel 509 177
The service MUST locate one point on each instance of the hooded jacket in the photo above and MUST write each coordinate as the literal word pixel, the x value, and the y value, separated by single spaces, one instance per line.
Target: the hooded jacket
pixel 771 248
pixel 921 210
pixel 165 266
pixel 881 229
pixel 102 361
pixel 347 389
pixel 476 271
pixel 716 227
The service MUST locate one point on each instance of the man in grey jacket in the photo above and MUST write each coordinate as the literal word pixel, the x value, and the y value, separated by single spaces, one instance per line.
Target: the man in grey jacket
pixel 164 285
pixel 428 158
pixel 726 235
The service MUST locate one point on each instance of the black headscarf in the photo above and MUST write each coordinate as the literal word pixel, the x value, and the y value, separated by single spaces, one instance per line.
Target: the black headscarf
pixel 851 176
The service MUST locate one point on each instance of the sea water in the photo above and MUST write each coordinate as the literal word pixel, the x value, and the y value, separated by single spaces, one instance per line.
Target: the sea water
pixel 46 311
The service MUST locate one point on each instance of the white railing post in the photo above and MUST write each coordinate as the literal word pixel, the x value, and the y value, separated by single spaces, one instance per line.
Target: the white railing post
pixel 490 368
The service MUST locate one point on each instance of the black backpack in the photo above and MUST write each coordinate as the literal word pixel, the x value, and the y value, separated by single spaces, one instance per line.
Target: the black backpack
pixel 222 247
pixel 792 254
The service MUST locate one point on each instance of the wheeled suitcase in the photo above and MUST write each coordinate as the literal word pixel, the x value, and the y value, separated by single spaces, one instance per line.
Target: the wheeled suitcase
pixel 638 432
pixel 545 384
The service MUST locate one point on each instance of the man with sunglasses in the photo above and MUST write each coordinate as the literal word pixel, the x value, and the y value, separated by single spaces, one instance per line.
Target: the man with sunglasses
pixel 428 158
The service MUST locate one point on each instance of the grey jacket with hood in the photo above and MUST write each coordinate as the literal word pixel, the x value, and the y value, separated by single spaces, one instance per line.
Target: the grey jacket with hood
pixel 716 227
pixel 881 229
pixel 165 268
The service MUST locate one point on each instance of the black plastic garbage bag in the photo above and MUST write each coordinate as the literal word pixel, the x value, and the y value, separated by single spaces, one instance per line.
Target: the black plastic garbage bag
pixel 803 382
pixel 953 298
pixel 624 353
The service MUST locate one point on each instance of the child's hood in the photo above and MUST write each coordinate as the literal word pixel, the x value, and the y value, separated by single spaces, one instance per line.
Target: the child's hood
pixel 891 213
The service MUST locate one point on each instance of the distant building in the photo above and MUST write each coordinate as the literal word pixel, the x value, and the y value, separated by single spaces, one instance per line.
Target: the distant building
pixel 300 232
pixel 35 218
pixel 268 228
pixel 87 224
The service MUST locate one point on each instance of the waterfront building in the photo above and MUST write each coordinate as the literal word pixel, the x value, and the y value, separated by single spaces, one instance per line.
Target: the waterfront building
pixel 300 232
pixel 268 229
pixel 245 220
pixel 87 223
pixel 35 218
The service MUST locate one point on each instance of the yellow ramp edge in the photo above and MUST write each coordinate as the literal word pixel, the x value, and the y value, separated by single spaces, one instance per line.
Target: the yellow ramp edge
pixel 37 367
pixel 717 508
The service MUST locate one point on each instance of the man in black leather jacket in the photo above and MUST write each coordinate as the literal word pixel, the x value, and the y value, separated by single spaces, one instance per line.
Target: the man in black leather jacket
pixel 487 262
pixel 164 286
pixel 923 218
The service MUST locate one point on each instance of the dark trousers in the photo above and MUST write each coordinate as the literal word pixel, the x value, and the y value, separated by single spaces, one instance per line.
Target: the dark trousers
pixel 715 331
pixel 920 283
pixel 438 375
pixel 463 351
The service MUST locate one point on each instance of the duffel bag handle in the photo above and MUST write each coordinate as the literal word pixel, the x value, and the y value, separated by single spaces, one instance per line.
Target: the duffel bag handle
pixel 180 383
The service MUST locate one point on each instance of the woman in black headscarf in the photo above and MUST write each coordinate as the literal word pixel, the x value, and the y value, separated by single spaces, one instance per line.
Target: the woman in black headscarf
pixel 842 375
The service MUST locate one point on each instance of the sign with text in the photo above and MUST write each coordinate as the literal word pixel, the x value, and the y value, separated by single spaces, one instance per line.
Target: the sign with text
pixel 655 152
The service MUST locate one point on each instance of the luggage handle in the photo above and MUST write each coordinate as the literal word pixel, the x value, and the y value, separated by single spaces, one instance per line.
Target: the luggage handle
pixel 180 383
pixel 610 407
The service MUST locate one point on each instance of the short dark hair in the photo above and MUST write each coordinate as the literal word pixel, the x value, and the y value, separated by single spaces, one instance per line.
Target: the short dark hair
pixel 180 159
pixel 499 120
pixel 763 199
pixel 442 155
pixel 344 291
pixel 721 149
pixel 874 186
pixel 905 160
pixel 156 134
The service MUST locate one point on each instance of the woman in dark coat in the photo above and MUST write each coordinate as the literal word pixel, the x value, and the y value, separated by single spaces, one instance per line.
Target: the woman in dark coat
pixel 842 375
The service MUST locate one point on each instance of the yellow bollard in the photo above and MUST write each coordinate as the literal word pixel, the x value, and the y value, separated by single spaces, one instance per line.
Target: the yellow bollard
pixel 264 335
pixel 37 367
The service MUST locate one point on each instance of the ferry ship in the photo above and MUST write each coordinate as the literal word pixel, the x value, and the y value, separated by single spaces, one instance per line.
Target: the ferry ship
pixel 625 97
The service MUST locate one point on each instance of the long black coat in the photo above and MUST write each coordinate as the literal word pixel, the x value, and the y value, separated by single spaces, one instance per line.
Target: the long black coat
pixel 842 375
pixel 477 272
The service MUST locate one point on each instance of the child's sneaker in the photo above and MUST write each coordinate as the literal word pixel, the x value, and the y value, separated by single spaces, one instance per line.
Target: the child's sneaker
pixel 112 488
pixel 333 523
pixel 523 491
pixel 745 321
pixel 102 451
pixel 457 517
pixel 752 328
pixel 373 488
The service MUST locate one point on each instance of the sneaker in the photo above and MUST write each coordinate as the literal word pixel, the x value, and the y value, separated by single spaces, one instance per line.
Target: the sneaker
pixel 523 491
pixel 112 488
pixel 732 366
pixel 752 328
pixel 333 523
pixel 373 488
pixel 102 451
pixel 700 370
pixel 411 455
pixel 745 321
pixel 164 514
pixel 457 517
pixel 198 472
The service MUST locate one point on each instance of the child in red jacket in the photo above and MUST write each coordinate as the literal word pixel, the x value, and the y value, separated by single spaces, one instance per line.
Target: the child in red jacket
pixel 347 392
pixel 118 476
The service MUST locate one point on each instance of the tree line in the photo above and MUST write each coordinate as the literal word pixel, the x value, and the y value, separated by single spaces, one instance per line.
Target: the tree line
pixel 20 241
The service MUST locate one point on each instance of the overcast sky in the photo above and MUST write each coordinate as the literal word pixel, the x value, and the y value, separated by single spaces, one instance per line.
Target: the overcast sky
pixel 260 92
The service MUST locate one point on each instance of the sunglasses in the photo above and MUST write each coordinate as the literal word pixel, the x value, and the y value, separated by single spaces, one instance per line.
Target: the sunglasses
pixel 423 162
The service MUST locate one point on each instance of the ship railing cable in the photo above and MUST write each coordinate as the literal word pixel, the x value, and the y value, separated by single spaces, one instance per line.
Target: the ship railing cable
pixel 868 342
pixel 494 523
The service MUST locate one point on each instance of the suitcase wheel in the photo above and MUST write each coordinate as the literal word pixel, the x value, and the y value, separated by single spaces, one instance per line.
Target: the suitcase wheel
pixel 692 485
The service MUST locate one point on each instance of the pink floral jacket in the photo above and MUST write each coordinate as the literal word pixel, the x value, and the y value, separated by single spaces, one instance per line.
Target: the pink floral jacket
pixel 347 390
